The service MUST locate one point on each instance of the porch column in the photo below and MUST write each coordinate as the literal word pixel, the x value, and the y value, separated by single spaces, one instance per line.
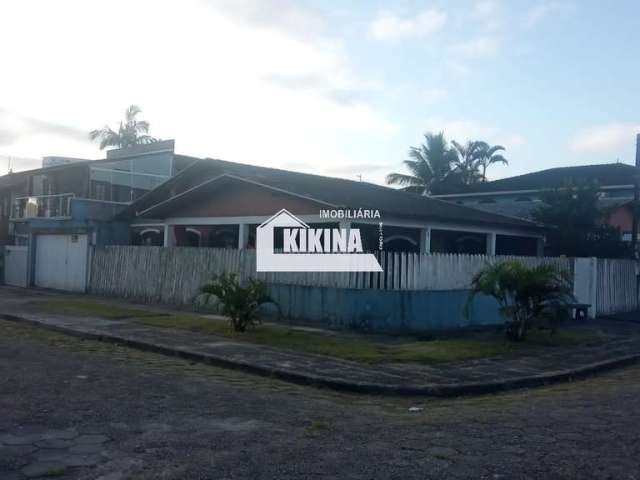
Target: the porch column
pixel 243 236
pixel 425 240
pixel 540 247
pixel 491 243
pixel 169 236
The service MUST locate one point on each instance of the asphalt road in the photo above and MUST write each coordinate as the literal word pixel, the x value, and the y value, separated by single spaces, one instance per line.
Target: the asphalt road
pixel 85 410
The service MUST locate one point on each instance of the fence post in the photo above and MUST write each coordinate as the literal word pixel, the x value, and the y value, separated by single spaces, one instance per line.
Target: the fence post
pixel 585 279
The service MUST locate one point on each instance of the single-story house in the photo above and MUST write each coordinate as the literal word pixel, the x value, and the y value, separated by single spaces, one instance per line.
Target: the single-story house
pixel 216 203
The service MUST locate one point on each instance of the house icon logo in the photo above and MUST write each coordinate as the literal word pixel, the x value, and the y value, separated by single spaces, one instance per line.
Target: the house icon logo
pixel 306 249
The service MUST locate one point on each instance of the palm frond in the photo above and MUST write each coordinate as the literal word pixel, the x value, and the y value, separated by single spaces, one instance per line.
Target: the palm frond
pixel 402 179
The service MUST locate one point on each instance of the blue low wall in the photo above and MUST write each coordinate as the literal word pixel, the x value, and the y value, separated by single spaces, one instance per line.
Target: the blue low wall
pixel 401 311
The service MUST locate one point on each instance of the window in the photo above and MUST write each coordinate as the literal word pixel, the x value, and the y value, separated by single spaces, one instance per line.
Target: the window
pixel 100 191
pixel 487 200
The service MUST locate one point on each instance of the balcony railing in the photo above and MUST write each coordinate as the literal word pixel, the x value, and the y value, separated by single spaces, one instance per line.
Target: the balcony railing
pixel 42 206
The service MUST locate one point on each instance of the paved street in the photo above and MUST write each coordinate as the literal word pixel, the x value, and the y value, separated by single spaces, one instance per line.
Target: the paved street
pixel 84 410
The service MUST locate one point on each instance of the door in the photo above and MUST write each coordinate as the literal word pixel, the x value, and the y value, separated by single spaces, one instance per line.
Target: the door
pixel 15 266
pixel 61 262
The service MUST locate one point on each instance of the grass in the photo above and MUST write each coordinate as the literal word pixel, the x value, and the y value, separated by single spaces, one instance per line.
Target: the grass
pixel 345 347
pixel 92 309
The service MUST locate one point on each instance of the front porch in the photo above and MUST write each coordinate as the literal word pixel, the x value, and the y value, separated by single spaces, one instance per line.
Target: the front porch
pixel 240 233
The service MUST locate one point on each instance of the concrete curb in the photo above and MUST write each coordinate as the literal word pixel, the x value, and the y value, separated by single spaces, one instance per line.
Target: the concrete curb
pixel 429 390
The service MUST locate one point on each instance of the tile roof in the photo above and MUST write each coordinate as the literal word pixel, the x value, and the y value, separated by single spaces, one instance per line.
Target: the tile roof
pixel 604 174
pixel 335 191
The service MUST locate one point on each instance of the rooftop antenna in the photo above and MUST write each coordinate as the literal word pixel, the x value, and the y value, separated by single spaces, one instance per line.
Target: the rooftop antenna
pixel 359 177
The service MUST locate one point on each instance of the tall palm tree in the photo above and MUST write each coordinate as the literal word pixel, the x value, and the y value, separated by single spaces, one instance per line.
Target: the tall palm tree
pixel 130 132
pixel 488 155
pixel 429 166
pixel 467 165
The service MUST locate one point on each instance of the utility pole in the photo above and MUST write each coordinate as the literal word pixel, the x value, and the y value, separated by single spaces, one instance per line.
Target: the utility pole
pixel 636 198
pixel 634 219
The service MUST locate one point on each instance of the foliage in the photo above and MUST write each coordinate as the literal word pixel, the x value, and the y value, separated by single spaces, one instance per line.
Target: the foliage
pixel 130 132
pixel 240 299
pixel 573 211
pixel 429 166
pixel 435 166
pixel 488 155
pixel 467 166
pixel 525 294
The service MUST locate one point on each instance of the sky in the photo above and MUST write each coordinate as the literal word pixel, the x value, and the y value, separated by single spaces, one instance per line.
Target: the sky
pixel 329 87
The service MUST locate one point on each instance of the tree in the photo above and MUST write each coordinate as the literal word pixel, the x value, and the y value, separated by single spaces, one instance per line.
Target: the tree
pixel 130 132
pixel 429 166
pixel 525 294
pixel 488 155
pixel 577 231
pixel 467 165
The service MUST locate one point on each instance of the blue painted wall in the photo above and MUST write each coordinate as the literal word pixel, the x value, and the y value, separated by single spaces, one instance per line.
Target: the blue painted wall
pixel 384 310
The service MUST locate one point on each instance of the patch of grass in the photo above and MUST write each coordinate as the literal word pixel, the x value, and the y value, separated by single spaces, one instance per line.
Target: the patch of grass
pixel 316 428
pixel 88 308
pixel 348 348
pixel 55 472
pixel 426 352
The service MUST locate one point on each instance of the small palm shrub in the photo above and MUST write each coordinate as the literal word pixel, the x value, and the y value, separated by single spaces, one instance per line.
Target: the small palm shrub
pixel 526 295
pixel 240 300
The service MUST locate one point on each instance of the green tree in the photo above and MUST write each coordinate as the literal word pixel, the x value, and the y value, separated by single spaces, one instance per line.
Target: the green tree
pixel 429 166
pixel 488 155
pixel 526 295
pixel 130 132
pixel 467 164
pixel 576 229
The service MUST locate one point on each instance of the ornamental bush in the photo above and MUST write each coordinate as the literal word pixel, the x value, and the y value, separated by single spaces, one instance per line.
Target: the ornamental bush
pixel 240 300
pixel 525 294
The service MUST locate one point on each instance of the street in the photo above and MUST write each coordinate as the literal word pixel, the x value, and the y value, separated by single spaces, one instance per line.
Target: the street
pixel 77 409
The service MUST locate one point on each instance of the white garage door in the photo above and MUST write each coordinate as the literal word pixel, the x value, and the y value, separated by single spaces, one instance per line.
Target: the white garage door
pixel 61 262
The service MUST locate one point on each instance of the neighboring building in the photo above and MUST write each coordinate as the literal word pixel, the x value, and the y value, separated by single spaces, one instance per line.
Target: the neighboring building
pixel 51 216
pixel 215 203
pixel 519 196
pixel 75 195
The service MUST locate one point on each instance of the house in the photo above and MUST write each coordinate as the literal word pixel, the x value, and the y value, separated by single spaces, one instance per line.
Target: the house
pixel 520 196
pixel 216 203
pixel 148 195
pixel 51 215
pixel 81 195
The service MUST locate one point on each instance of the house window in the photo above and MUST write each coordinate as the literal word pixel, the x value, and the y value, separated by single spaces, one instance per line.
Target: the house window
pixel 101 191
pixel 487 200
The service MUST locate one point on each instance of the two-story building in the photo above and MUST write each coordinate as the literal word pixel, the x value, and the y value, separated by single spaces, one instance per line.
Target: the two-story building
pixel 520 196
pixel 51 215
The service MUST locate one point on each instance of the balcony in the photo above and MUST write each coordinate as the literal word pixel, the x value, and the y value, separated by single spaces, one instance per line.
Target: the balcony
pixel 43 206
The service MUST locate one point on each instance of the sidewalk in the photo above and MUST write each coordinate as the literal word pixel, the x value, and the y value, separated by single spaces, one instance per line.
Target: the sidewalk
pixel 459 378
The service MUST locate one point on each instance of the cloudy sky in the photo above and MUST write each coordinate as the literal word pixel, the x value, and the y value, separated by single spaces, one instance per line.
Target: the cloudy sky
pixel 339 88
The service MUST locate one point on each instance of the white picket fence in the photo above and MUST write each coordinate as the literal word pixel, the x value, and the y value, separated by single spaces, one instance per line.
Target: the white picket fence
pixel 174 275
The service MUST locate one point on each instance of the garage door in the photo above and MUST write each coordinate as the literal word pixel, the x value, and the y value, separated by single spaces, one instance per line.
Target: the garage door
pixel 15 266
pixel 61 262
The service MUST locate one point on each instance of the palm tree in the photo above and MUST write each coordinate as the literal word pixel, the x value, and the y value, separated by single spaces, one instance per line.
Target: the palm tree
pixel 488 155
pixel 467 165
pixel 429 166
pixel 131 132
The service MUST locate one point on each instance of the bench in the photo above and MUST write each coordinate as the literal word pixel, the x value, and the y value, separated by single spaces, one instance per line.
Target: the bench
pixel 581 310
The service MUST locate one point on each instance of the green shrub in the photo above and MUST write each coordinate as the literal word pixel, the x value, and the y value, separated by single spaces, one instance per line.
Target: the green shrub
pixel 525 294
pixel 240 300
